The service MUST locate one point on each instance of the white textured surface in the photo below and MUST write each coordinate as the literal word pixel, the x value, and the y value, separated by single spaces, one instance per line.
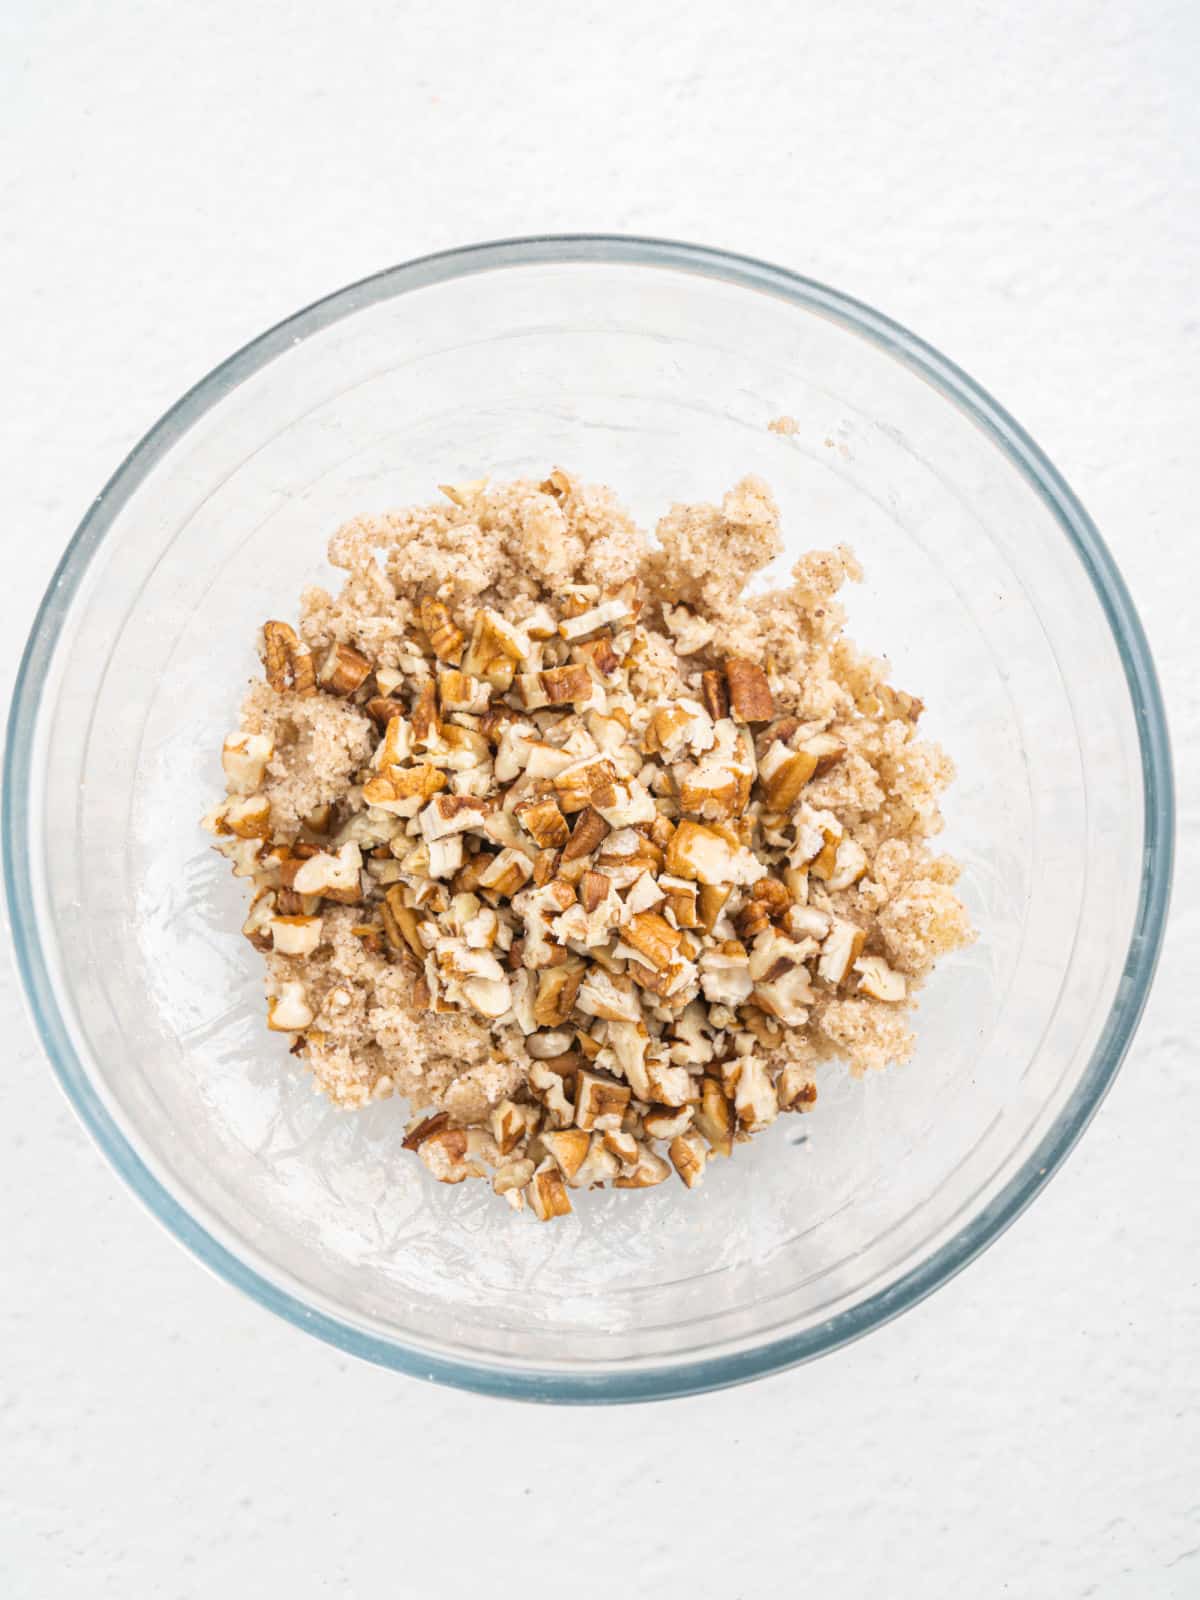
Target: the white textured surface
pixel 1020 184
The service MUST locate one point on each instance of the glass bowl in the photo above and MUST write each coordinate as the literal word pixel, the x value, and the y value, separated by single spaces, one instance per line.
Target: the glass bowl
pixel 656 368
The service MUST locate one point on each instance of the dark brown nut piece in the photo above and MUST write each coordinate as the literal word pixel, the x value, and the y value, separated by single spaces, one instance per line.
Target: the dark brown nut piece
pixel 688 1156
pixel 750 697
pixel 381 709
pixel 401 923
pixel 343 670
pixel 547 1193
pixel 425 1129
pixel 714 694
pixel 588 834
pixel 712 900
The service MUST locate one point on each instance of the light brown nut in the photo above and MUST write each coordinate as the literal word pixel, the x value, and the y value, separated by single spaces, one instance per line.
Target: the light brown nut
pixel 249 816
pixel 343 670
pixel 445 637
pixel 715 694
pixel 425 723
pixel 711 855
pixel 826 749
pixel 594 889
pixel 591 781
pixel 452 813
pixel 547 1193
pixel 653 937
pixel 754 1097
pixel 711 902
pixel 668 1123
pixel 600 1101
pixel 381 709
pixel 459 691
pixel 244 758
pixel 783 773
pixel 333 876
pixel 557 989
pixel 879 980
pixel 588 834
pixel 508 873
pixel 750 697
pixel 795 1089
pixel 841 949
pixel 544 822
pixel 496 649
pixel 682 901
pixel 569 685
pixel 401 924
pixel 714 1117
pixel 404 789
pixel 569 1147
pixel 289 1011
pixel 298 935
pixel 688 1154
pixel 650 1169
pixel 288 665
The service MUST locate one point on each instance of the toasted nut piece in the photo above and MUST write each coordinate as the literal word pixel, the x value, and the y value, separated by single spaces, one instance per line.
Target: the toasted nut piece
pixel 547 1194
pixel 257 926
pixel 244 758
pixel 783 774
pixel 715 695
pixel 452 813
pixel 445 856
pixel 594 890
pixel 795 1089
pixel 425 723
pixel 600 1102
pixel 507 874
pixel 396 746
pixel 841 949
pixel 653 936
pixel 539 624
pixel 678 725
pixel 547 1085
pixel 849 865
pixel 664 1124
pixel 545 865
pixel 289 1011
pixel 544 822
pixel 401 923
pixel 496 649
pixel 681 901
pixel 599 655
pixel 445 637
pixel 557 989
pixel 688 1154
pixel 459 691
pixel 288 665
pixel 447 1154
pixel 491 997
pixel 710 856
pixel 569 685
pixel 569 1147
pixel 714 1117
pixel 343 670
pixel 298 936
pixel 623 1146
pixel 558 484
pixel 613 999
pixel 650 1169
pixel 752 919
pixel 893 703
pixel 381 709
pixel 405 789
pixel 711 903
pixel 879 980
pixel 249 818
pixel 725 979
pixel 424 1128
pixel 546 1046
pixel 588 834
pixel 510 1178
pixel 591 781
pixel 604 615
pixel 750 698
pixel 755 1096
pixel 827 750
pixel 336 877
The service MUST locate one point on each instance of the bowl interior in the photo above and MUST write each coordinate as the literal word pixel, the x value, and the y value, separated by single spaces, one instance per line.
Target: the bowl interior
pixel 661 382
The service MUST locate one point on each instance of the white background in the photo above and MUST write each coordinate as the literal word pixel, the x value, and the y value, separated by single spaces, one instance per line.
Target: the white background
pixel 1017 183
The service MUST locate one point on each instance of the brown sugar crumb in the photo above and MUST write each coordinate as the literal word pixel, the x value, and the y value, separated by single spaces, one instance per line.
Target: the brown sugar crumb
pixel 556 835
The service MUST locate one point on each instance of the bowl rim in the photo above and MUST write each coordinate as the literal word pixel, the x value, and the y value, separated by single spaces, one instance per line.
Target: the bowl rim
pixel 696 1374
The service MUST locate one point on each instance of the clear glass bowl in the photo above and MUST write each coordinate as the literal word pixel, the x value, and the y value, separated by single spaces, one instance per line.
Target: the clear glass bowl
pixel 653 367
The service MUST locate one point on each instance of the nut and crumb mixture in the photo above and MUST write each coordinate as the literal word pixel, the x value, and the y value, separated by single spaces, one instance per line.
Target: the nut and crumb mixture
pixel 556 833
